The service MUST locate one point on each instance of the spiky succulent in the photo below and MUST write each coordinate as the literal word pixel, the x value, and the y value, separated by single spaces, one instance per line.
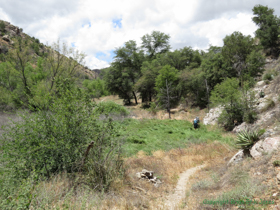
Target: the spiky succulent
pixel 247 138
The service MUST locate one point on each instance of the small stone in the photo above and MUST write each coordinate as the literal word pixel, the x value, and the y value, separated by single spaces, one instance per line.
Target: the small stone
pixel 278 176
pixel 274 194
pixel 257 173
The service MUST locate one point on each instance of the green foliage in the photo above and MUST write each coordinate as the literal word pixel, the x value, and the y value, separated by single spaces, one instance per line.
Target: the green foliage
pixel 2 26
pixel 228 95
pixel 276 163
pixel 180 59
pixel 166 73
pixel 166 87
pixel 247 138
pixel 268 76
pixel 226 92
pixel 249 102
pixel 146 83
pixel 105 161
pixel 110 107
pixel 153 108
pixel 152 135
pixel 155 43
pixel 268 30
pixel 240 55
pixel 125 71
pixel 95 88
pixel 55 139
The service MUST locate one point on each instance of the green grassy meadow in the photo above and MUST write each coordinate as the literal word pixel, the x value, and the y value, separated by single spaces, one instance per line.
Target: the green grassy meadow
pixel 151 135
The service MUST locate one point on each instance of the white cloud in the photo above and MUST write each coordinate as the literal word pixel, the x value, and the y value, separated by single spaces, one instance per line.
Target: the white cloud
pixel 215 30
pixel 4 16
pixel 195 23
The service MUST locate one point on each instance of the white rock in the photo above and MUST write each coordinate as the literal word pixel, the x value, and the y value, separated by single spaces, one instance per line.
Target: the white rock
pixel 265 147
pixel 236 158
pixel 260 83
pixel 212 117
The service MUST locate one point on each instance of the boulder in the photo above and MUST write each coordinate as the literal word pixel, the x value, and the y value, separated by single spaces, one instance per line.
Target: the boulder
pixel 278 177
pixel 236 158
pixel 212 117
pixel 241 127
pixel 6 38
pixel 265 146
pixel 262 102
pixel 260 83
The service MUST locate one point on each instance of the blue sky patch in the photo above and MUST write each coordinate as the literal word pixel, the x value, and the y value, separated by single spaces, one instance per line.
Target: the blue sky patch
pixel 105 57
pixel 73 44
pixel 87 24
pixel 117 23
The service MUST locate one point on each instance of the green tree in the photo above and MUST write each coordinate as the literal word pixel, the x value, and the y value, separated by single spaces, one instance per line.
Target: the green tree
pixel 268 30
pixel 239 54
pixel 155 43
pixel 214 67
pixel 146 84
pixel 59 63
pixel 125 71
pixel 19 57
pixel 166 83
pixel 228 94
pixel 181 59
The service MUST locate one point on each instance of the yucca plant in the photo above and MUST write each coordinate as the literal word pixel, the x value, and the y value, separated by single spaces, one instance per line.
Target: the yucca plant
pixel 247 138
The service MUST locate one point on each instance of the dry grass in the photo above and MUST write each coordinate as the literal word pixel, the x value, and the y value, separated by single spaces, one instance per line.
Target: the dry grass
pixel 253 178
pixel 131 193
pixel 137 112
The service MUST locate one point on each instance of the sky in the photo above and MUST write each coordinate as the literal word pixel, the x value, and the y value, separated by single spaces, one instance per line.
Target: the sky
pixel 97 28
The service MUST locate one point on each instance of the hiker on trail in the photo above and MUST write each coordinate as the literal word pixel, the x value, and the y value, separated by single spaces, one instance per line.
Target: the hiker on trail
pixel 196 123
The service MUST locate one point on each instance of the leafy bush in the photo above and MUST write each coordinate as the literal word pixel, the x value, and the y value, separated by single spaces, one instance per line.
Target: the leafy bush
pixel 2 26
pixel 276 163
pixel 268 76
pixel 246 138
pixel 96 88
pixel 250 117
pixel 153 108
pixel 110 107
pixel 50 141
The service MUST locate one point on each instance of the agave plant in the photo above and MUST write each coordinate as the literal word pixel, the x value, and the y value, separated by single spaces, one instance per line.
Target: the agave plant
pixel 247 138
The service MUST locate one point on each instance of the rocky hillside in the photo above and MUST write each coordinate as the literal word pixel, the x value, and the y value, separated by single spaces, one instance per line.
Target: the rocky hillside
pixel 8 32
pixel 267 102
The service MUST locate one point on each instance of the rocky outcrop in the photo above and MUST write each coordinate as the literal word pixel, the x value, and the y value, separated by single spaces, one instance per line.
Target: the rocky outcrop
pixel 236 158
pixel 266 146
pixel 212 117
pixel 262 147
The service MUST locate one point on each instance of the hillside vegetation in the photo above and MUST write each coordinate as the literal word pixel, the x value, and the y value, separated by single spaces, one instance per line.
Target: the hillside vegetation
pixel 66 147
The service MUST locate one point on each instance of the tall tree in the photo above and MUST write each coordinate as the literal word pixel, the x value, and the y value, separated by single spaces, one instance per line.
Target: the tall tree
pixel 166 84
pixel 227 94
pixel 146 84
pixel 125 71
pixel 180 59
pixel 19 57
pixel 239 52
pixel 268 30
pixel 155 43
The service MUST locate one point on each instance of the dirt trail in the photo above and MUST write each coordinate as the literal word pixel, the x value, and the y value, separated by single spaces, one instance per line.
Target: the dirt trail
pixel 180 190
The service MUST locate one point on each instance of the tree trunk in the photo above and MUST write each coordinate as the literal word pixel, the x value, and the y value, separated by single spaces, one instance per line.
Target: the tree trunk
pixel 135 98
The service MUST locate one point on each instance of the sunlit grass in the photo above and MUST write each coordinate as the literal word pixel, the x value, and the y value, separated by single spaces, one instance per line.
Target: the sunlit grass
pixel 152 135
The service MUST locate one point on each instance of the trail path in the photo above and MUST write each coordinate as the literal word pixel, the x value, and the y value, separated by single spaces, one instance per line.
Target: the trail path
pixel 180 191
